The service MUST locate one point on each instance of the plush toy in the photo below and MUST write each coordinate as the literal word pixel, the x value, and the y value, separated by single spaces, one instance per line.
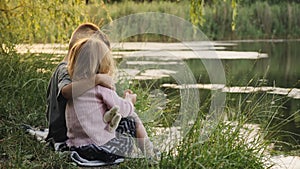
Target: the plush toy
pixel 113 118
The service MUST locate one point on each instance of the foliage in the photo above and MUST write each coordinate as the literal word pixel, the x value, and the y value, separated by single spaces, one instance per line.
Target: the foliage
pixel 225 148
pixel 25 79
pixel 23 101
pixel 222 20
pixel 53 21
pixel 230 144
pixel 197 11
pixel 42 21
pixel 254 21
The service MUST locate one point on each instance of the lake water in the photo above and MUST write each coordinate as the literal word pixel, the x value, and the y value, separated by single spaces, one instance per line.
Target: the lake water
pixel 269 71
pixel 280 69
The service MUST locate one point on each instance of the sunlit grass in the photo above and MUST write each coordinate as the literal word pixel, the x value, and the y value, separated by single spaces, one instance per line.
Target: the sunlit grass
pixel 236 142
pixel 23 100
pixel 52 21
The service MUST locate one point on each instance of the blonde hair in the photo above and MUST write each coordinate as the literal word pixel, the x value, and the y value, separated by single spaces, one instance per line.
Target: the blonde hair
pixel 87 30
pixel 88 57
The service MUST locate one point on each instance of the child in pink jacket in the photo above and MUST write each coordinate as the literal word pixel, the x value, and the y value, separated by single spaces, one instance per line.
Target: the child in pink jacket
pixel 87 129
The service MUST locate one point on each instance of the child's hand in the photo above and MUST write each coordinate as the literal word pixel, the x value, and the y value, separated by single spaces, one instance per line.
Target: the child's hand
pixel 128 95
pixel 127 91
pixel 105 80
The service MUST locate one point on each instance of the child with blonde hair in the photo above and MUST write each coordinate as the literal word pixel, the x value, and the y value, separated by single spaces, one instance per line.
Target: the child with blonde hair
pixel 85 114
pixel 61 88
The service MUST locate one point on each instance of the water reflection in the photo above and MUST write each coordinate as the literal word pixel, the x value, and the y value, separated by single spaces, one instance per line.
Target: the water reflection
pixel 246 72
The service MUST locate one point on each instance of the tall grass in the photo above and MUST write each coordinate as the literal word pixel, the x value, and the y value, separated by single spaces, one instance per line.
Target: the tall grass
pixel 23 89
pixel 23 100
pixel 257 20
pixel 233 143
pixel 53 21
pixel 25 77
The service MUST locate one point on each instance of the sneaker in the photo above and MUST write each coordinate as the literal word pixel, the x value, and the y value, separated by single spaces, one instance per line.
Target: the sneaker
pixel 108 116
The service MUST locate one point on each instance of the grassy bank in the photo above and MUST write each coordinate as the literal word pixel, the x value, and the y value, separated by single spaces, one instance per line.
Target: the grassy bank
pixel 23 89
pixel 23 101
pixel 53 21
pixel 25 77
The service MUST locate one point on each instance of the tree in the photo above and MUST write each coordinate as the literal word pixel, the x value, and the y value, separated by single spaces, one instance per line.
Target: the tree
pixel 197 11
